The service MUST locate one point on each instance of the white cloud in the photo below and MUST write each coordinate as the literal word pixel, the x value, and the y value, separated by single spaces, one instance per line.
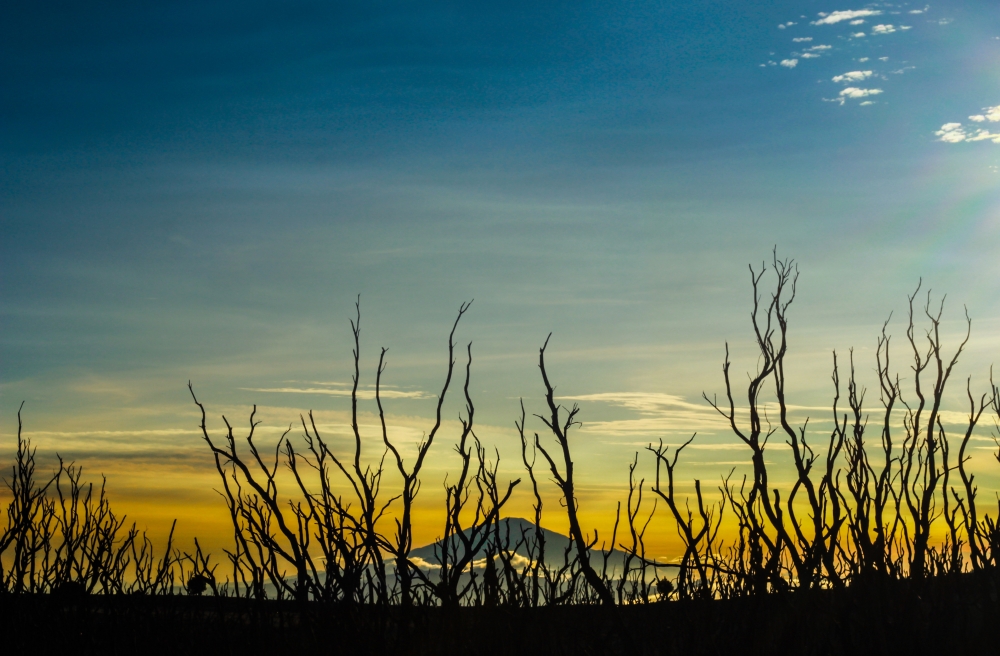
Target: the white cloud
pixel 420 563
pixel 802 39
pixel 863 59
pixel 905 27
pixel 855 92
pixel 920 11
pixel 858 22
pixel 956 133
pixel 789 63
pixel 951 133
pixel 944 21
pixel 858 35
pixel 809 55
pixel 991 114
pixel 883 29
pixel 867 102
pixel 786 25
pixel 985 135
pixel 883 59
pixel 819 47
pixel 839 16
pixel 853 76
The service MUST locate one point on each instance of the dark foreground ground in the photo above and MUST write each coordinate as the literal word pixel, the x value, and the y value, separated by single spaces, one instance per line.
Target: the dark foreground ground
pixel 942 616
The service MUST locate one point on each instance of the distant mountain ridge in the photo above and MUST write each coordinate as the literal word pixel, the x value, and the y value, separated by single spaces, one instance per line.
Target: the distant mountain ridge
pixel 518 534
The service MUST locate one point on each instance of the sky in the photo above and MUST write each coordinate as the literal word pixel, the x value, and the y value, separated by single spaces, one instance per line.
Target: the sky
pixel 200 191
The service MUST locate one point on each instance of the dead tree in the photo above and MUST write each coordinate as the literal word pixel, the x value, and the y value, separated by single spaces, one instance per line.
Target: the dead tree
pixel 921 469
pixel 769 326
pixel 981 536
pixel 536 546
pixel 27 508
pixel 634 585
pixel 560 430
pixel 350 542
pixel 257 511
pixel 461 545
pixel 696 538
pixel 401 546
pixel 871 489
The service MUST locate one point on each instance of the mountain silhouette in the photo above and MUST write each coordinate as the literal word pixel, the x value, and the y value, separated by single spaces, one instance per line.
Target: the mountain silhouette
pixel 518 535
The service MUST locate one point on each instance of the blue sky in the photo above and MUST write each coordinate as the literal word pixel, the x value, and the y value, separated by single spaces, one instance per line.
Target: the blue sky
pixel 199 191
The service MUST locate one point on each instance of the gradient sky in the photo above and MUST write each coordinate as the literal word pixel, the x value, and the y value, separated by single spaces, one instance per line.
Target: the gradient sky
pixel 199 191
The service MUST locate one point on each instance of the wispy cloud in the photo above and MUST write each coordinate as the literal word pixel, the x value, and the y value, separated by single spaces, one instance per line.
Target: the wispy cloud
pixel 362 394
pixel 789 63
pixel 784 26
pixel 883 29
pixel 839 16
pixel 641 401
pixel 659 414
pixel 813 52
pixel 802 39
pixel 161 432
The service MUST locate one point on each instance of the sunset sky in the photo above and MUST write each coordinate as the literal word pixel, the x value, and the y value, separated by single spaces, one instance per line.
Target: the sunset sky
pixel 200 191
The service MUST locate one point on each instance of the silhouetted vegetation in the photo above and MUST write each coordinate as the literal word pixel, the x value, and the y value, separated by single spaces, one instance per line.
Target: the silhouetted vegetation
pixel 854 535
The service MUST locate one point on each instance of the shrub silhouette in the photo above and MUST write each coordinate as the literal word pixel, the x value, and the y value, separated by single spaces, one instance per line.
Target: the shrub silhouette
pixel 861 508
